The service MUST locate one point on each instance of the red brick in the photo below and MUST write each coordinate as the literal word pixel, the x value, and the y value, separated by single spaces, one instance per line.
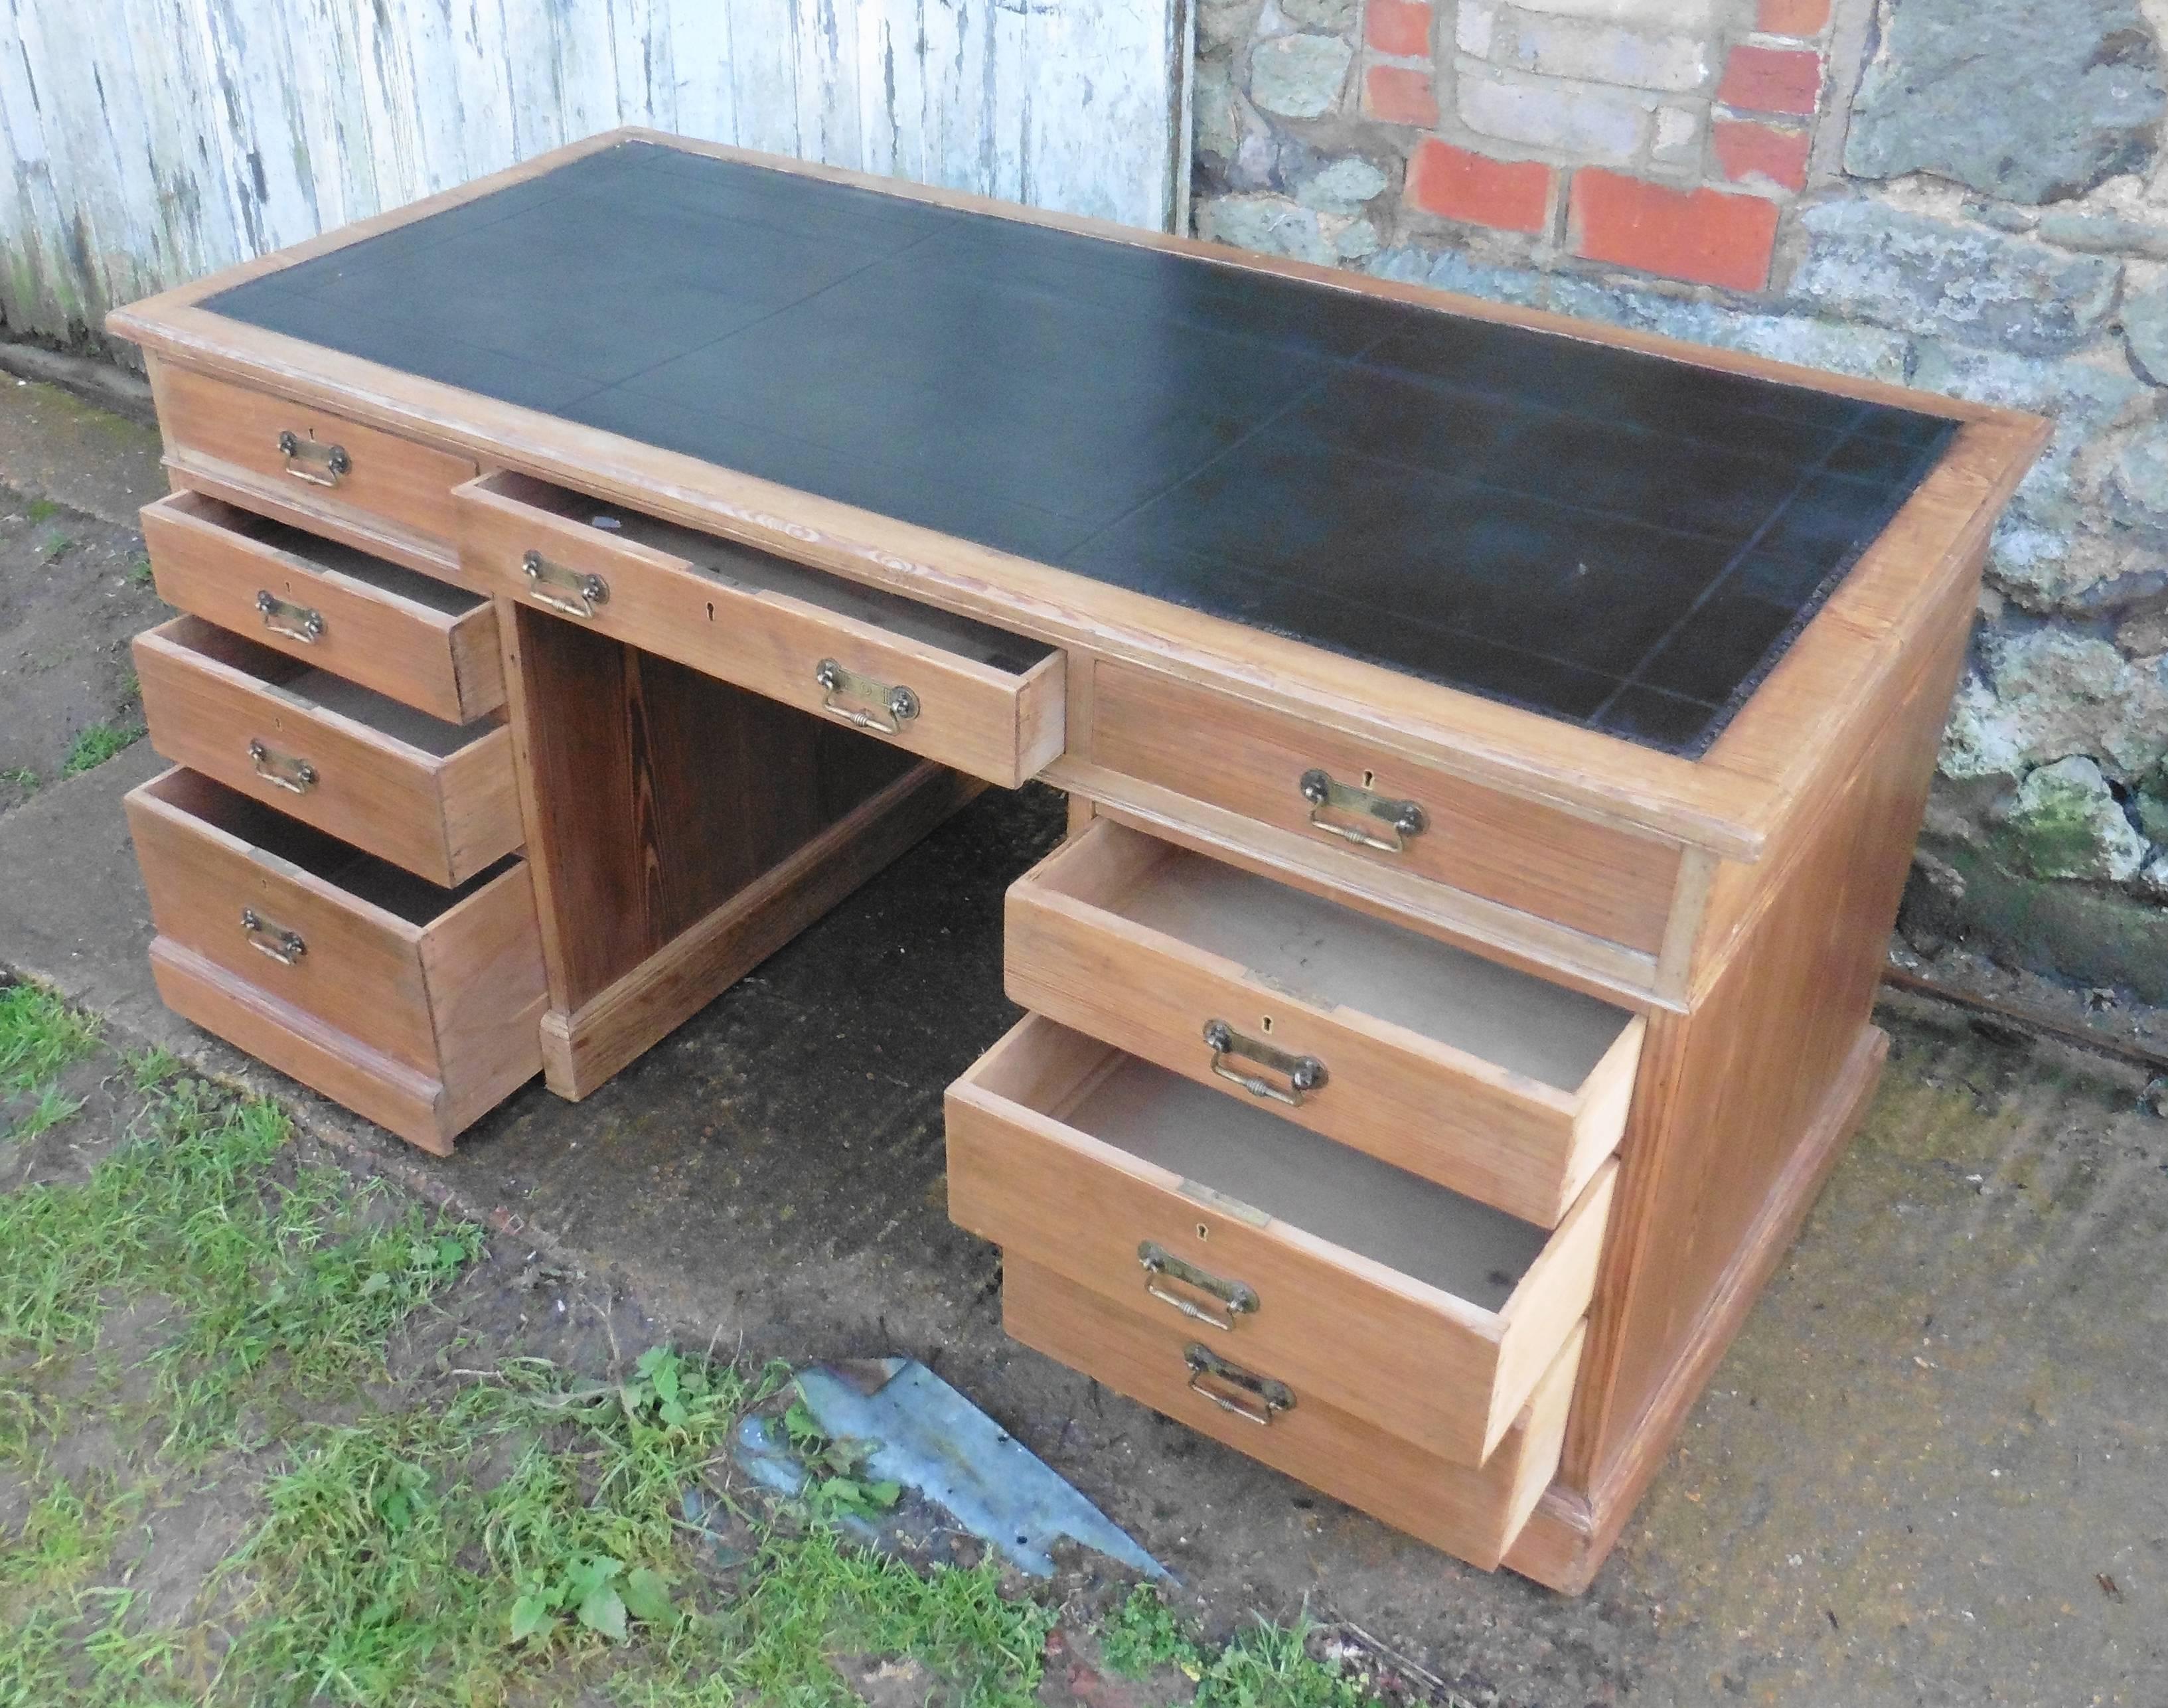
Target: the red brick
pixel 1705 235
pixel 1397 26
pixel 1772 80
pixel 1804 19
pixel 1513 196
pixel 1400 96
pixel 1780 156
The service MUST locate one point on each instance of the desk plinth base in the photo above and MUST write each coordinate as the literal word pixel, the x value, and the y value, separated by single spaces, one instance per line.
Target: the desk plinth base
pixel 1572 1531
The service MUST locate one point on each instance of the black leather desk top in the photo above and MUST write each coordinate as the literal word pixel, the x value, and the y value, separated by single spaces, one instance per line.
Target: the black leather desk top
pixel 1617 540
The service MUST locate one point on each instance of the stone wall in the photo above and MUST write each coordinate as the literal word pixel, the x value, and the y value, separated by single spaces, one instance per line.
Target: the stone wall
pixel 1965 195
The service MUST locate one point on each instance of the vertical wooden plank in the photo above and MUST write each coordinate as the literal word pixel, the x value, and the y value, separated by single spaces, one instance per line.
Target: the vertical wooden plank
pixel 703 102
pixel 828 78
pixel 764 74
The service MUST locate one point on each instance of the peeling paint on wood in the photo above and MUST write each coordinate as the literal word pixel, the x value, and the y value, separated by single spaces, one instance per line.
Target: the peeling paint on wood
pixel 145 142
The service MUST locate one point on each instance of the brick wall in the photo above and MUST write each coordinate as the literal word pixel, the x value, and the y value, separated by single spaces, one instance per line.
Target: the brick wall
pixel 1968 195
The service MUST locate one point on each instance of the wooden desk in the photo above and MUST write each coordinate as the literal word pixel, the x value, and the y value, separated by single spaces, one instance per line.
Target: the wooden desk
pixel 1495 745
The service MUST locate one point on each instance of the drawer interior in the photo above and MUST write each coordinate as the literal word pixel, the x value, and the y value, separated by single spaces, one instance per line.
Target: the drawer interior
pixel 1236 1151
pixel 761 571
pixel 306 682
pixel 392 578
pixel 1336 957
pixel 363 876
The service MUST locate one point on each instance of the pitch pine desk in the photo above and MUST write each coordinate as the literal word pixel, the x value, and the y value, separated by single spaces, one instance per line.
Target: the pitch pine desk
pixel 1494 744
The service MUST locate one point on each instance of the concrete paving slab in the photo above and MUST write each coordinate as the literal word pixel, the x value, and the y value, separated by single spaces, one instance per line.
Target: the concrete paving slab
pixel 55 445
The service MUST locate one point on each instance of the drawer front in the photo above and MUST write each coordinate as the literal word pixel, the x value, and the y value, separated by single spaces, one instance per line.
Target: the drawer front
pixel 1082 946
pixel 418 1007
pixel 214 561
pixel 1474 1511
pixel 271 925
pixel 1001 725
pixel 1383 807
pixel 216 703
pixel 299 1044
pixel 1434 1370
pixel 308 458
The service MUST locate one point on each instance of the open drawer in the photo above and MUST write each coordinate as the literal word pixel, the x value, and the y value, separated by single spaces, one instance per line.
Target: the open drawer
pixel 945 687
pixel 1418 1311
pixel 420 641
pixel 1497 1084
pixel 418 1007
pixel 439 799
pixel 1472 1511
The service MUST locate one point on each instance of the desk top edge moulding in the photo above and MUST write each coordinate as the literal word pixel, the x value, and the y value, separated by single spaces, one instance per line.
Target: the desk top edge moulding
pixel 1723 803
pixel 1495 745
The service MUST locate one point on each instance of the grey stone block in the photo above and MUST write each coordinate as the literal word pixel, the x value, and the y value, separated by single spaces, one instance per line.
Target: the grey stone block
pixel 2066 823
pixel 1299 76
pixel 2050 694
pixel 1269 223
pixel 2030 101
pixel 1342 187
pixel 2145 331
pixel 1931 276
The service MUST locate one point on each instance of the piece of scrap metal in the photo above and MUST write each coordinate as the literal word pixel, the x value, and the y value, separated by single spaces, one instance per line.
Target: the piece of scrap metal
pixel 922 1434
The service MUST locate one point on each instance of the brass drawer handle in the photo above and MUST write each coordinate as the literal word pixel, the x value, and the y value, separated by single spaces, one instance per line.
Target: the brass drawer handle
pixel 300 452
pixel 296 622
pixel 902 704
pixel 1401 819
pixel 1236 1298
pixel 282 770
pixel 579 590
pixel 1256 1398
pixel 1304 1074
pixel 282 945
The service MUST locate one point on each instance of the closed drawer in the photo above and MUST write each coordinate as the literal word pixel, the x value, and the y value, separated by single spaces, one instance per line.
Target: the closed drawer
pixel 420 641
pixel 439 799
pixel 1384 808
pixel 1497 1084
pixel 1417 1310
pixel 417 1006
pixel 945 687
pixel 1474 1512
pixel 307 459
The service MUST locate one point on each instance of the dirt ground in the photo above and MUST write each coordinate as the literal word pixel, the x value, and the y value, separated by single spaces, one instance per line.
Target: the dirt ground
pixel 73 591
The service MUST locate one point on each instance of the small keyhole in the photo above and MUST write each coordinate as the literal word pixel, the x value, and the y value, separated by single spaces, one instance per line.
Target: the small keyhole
pixel 1369 779
pixel 1266 1024
pixel 1203 1231
pixel 711 613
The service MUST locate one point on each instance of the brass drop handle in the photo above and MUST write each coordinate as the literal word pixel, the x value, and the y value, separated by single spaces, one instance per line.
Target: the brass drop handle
pixel 1304 1074
pixel 1402 819
pixel 575 592
pixel 296 622
pixel 900 703
pixel 1256 1399
pixel 282 770
pixel 283 945
pixel 300 453
pixel 1234 1298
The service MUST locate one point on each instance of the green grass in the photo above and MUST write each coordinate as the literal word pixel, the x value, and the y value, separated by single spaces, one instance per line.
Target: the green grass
pixel 42 510
pixel 95 744
pixel 139 569
pixel 214 1317
pixel 21 776
pixel 39 1035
